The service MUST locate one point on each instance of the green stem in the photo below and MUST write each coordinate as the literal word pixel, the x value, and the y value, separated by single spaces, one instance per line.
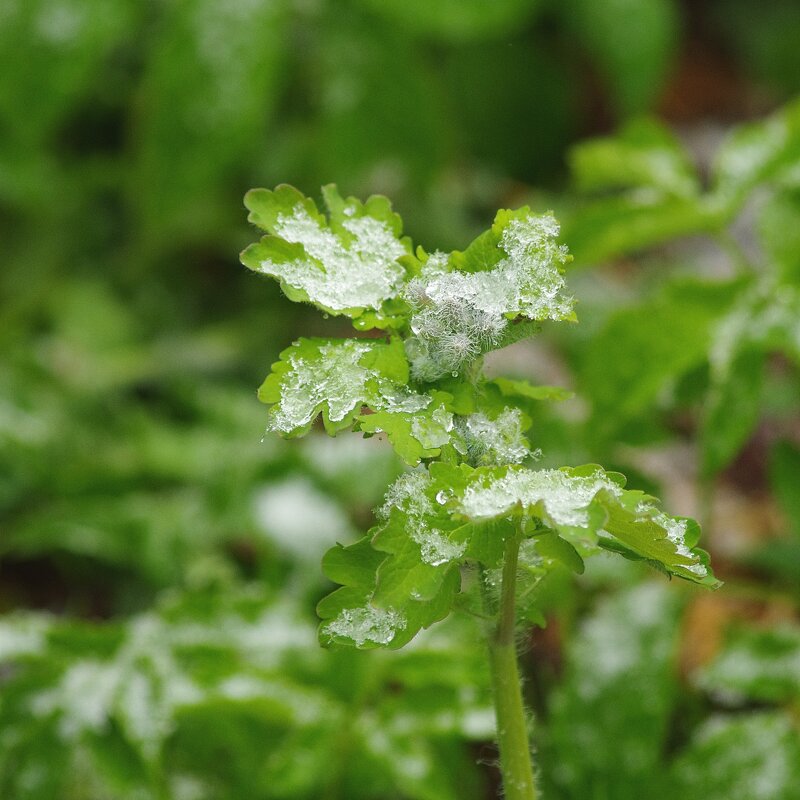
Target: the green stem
pixel 512 730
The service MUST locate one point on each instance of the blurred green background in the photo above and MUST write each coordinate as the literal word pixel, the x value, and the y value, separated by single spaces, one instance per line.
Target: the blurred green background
pixel 159 561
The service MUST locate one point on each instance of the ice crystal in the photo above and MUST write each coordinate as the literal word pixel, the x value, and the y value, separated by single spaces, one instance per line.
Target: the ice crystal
pixel 458 315
pixel 335 378
pixel 496 441
pixel 400 399
pixel 409 494
pixel 340 275
pixel 565 498
pixel 433 431
pixel 676 533
pixel 367 624
pixel 434 546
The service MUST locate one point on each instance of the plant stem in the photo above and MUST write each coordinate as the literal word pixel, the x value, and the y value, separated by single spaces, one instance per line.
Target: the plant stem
pixel 512 732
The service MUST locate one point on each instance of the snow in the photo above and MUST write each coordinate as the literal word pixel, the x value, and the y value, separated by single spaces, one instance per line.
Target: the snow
pixel 565 498
pixel 367 624
pixel 458 315
pixel 339 276
pixel 498 441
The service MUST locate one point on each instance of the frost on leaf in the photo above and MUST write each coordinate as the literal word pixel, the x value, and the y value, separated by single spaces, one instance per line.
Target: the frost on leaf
pixel 345 264
pixel 357 613
pixel 495 441
pixel 316 376
pixel 588 505
pixel 339 379
pixel 366 625
pixel 461 307
pixel 409 498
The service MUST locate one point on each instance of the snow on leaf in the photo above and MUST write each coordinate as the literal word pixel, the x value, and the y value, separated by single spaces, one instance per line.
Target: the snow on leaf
pixel 366 625
pixel 355 615
pixel 316 376
pixel 588 504
pixel 338 378
pixel 513 270
pixel 423 522
pixel 564 500
pixel 346 264
pixel 496 441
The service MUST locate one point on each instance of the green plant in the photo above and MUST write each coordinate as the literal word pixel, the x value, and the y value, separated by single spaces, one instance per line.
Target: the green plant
pixel 472 526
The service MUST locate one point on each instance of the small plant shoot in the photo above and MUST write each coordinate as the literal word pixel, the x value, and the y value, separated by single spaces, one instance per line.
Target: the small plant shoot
pixel 472 524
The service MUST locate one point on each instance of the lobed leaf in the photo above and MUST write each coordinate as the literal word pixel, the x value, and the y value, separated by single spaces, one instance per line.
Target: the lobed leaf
pixel 339 378
pixel 352 615
pixel 586 505
pixel 346 264
pixel 462 304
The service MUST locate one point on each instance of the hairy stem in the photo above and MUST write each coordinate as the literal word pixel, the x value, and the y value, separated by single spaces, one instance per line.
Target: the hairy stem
pixel 512 731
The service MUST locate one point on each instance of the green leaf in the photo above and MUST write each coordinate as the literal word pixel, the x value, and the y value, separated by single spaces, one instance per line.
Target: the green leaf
pixel 606 229
pixel 756 754
pixel 585 505
pixel 760 665
pixel 422 538
pixel 415 434
pixel 211 80
pixel 732 410
pixel 353 565
pixel 352 616
pixel 522 388
pixel 632 42
pixel 755 153
pixel 462 306
pixel 609 718
pixel 762 321
pixel 552 546
pixel 338 378
pixel 317 376
pixel 643 154
pixel 784 471
pixel 653 344
pixel 779 229
pixel 347 264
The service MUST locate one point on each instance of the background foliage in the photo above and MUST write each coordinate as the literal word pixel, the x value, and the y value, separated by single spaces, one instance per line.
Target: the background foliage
pixel 159 563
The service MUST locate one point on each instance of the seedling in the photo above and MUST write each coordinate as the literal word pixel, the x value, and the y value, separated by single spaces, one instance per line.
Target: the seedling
pixel 473 524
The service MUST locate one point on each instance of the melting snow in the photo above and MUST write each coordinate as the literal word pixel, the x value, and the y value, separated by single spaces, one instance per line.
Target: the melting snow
pixel 367 624
pixel 565 497
pixel 408 493
pixel 458 315
pixel 339 276
pixel 499 441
